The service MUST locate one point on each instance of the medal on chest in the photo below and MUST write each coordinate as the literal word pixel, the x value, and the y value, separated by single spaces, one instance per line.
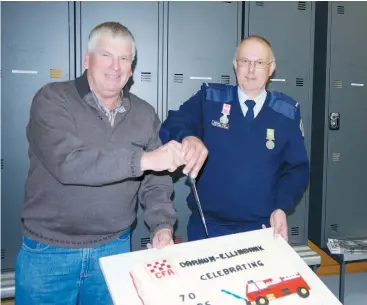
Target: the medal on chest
pixel 270 137
pixel 223 120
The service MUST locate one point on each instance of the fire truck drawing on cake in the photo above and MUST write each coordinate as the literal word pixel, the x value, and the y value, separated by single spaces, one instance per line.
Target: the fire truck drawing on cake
pixel 262 292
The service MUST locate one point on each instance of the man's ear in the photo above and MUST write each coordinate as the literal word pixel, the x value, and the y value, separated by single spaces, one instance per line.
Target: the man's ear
pixel 86 60
pixel 234 64
pixel 272 68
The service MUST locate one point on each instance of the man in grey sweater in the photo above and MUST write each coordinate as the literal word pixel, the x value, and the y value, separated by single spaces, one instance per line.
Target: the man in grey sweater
pixel 94 152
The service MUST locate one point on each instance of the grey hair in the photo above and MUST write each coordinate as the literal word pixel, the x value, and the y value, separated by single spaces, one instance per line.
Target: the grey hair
pixel 256 38
pixel 114 30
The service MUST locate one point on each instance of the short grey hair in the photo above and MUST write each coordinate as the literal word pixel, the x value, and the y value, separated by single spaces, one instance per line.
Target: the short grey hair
pixel 259 39
pixel 113 29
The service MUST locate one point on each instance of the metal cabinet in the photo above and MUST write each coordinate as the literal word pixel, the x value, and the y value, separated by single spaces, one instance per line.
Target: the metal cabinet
pixel 289 27
pixel 142 19
pixel 36 48
pixel 338 183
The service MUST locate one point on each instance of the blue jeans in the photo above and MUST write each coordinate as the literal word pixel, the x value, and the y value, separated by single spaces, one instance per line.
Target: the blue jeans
pixel 63 276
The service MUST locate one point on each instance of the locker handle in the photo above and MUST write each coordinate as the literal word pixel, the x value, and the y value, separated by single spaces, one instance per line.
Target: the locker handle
pixel 334 121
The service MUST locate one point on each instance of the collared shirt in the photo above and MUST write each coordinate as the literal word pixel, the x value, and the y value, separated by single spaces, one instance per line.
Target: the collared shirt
pixel 259 101
pixel 111 114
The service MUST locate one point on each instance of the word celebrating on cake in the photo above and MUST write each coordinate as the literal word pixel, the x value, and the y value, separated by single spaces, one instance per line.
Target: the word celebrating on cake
pixel 221 256
pixel 191 296
pixel 160 269
pixel 227 271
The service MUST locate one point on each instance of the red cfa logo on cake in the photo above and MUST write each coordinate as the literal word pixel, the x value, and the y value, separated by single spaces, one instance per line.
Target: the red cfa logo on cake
pixel 160 269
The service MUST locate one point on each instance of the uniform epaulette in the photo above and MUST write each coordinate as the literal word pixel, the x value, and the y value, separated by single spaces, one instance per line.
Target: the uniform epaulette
pixel 283 104
pixel 218 92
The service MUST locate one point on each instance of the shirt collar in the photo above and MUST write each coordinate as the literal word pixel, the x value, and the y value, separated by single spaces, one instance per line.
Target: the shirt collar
pixel 120 108
pixel 85 92
pixel 83 88
pixel 259 99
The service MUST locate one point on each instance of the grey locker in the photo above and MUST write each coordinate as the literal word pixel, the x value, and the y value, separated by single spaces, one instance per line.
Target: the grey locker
pixel 143 20
pixel 162 34
pixel 36 48
pixel 202 39
pixel 2 250
pixel 288 26
pixel 339 203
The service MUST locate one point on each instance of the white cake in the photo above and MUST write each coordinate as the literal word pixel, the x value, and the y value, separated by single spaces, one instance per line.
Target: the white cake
pixel 236 269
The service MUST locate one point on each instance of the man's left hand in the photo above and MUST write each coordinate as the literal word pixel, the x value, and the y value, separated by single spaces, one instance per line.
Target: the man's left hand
pixel 278 221
pixel 161 239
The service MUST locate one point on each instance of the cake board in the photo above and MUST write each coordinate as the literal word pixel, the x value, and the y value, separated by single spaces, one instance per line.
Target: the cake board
pixel 117 268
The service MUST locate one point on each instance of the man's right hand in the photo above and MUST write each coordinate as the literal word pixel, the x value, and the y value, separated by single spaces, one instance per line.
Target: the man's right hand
pixel 166 157
pixel 195 154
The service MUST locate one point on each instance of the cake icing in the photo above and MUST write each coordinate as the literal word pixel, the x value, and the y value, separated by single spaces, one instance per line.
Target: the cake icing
pixel 236 269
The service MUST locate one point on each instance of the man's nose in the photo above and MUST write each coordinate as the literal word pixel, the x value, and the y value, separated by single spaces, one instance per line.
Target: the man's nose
pixel 116 65
pixel 251 67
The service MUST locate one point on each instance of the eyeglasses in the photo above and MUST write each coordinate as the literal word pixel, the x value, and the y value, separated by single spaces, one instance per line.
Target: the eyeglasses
pixel 260 64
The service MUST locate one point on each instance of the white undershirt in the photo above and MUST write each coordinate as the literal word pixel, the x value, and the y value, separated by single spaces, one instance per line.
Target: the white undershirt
pixel 259 101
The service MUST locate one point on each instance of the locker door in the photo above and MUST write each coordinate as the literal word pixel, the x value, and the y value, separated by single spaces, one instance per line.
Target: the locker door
pixel 346 181
pixel 288 26
pixel 2 250
pixel 202 39
pixel 35 50
pixel 142 19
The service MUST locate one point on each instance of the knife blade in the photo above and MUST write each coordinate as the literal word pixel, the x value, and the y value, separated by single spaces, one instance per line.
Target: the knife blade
pixel 194 190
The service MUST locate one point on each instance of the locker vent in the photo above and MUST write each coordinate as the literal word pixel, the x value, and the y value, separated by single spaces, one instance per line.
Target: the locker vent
pixel 178 78
pixel 299 82
pixel 338 84
pixel 2 163
pixel 295 231
pixel 225 79
pixel 260 3
pixel 146 76
pixel 340 9
pixel 334 228
pixel 55 73
pixel 144 241
pixel 336 156
pixel 302 5
pixel 2 253
pixel 178 239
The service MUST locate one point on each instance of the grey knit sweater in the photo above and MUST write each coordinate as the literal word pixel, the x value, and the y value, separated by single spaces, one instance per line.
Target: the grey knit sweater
pixel 84 179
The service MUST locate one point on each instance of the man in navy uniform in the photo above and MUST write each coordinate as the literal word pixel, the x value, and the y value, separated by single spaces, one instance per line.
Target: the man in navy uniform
pixel 257 168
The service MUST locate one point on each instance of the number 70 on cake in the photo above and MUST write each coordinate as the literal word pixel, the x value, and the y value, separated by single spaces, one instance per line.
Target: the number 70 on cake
pixel 191 297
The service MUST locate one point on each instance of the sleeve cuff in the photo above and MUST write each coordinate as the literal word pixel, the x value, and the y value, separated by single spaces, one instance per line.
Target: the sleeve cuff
pixel 284 205
pixel 183 134
pixel 135 163
pixel 161 227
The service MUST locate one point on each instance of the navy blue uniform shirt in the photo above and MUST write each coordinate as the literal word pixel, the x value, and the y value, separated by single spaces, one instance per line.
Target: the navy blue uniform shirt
pixel 253 168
